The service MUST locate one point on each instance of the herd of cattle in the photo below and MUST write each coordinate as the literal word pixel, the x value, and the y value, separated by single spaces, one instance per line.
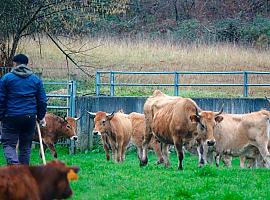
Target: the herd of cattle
pixel 178 121
pixel 166 121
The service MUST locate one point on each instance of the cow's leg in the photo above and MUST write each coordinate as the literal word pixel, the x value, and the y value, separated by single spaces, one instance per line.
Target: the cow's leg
pixel 52 149
pixel 146 142
pixel 227 160
pixel 114 152
pixel 139 152
pixel 107 150
pixel 120 153
pixel 124 148
pixel 179 149
pixel 217 159
pixel 242 161
pixel 157 149
pixel 106 147
pixel 264 152
pixel 201 152
pixel 165 153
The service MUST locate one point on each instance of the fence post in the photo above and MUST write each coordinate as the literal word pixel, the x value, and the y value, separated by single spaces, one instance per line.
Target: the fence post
pixel 111 83
pixel 176 80
pixel 97 83
pixel 245 89
pixel 72 94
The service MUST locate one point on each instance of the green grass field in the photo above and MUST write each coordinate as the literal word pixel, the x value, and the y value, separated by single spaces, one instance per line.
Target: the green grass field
pixel 99 179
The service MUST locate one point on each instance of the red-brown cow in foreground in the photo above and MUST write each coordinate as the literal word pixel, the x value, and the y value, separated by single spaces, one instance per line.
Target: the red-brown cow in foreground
pixel 19 182
pixel 174 121
pixel 55 129
pixel 138 132
pixel 115 130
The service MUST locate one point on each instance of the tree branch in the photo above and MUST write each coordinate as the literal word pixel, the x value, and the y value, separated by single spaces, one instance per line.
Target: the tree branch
pixel 71 59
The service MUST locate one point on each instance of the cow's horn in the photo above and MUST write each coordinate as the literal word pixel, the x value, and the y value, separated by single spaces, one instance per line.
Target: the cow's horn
pixel 77 118
pixel 197 113
pixel 267 99
pixel 92 114
pixel 107 114
pixel 221 110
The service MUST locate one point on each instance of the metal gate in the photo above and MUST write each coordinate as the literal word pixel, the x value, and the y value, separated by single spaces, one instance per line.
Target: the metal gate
pixel 68 108
pixel 69 98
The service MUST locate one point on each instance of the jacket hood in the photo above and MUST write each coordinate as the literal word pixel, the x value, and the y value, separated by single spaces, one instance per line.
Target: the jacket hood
pixel 22 71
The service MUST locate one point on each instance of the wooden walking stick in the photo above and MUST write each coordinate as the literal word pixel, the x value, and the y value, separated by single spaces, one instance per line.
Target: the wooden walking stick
pixel 41 144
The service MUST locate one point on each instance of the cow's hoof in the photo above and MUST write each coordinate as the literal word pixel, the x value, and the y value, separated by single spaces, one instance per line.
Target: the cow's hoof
pixel 107 158
pixel 143 162
pixel 167 165
pixel 180 168
pixel 159 162
pixel 201 165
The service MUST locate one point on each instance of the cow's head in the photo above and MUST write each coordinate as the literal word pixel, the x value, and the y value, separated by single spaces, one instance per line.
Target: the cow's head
pixel 59 177
pixel 102 123
pixel 69 127
pixel 206 121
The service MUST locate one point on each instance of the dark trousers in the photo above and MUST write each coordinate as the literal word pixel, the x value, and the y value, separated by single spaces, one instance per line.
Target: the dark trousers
pixel 14 129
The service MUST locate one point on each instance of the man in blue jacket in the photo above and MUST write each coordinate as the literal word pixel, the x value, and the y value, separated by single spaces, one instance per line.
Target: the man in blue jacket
pixel 22 102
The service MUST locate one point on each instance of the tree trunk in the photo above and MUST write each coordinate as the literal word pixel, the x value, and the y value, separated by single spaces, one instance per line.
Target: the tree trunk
pixel 176 10
pixel 13 51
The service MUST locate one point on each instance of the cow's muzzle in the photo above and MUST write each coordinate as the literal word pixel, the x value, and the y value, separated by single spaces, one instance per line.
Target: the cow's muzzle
pixel 96 133
pixel 210 142
pixel 74 138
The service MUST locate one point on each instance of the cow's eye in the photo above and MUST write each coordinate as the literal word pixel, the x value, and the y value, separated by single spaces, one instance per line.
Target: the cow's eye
pixel 103 122
pixel 68 126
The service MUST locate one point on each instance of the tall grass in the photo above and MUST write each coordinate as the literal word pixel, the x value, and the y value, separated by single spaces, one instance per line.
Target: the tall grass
pixel 150 55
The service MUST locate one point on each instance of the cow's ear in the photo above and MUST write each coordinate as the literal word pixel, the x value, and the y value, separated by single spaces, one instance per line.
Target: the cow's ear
pixel 218 118
pixel 194 118
pixel 75 169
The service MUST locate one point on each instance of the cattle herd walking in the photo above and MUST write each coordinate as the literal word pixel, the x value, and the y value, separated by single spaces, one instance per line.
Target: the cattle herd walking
pixel 167 121
pixel 182 123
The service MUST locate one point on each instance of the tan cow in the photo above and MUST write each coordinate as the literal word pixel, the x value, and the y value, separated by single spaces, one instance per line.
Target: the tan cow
pixel 115 130
pixel 175 121
pixel 237 133
pixel 253 155
pixel 138 132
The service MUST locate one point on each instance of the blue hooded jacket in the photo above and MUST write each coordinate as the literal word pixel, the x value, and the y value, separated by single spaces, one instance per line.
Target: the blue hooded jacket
pixel 22 93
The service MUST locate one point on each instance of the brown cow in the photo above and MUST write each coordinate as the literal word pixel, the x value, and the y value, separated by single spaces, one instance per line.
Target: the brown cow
pixel 56 128
pixel 238 132
pixel 175 120
pixel 47 182
pixel 115 130
pixel 138 132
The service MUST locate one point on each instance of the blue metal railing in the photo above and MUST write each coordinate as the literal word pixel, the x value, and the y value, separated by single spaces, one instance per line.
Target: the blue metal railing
pixel 112 83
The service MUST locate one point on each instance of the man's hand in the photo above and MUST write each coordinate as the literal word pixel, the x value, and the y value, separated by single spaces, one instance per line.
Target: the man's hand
pixel 42 123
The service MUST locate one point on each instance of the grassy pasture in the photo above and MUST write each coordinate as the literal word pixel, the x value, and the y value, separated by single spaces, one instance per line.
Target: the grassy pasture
pixel 99 179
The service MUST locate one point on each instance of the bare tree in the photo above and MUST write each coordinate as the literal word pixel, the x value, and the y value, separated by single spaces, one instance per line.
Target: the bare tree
pixel 21 18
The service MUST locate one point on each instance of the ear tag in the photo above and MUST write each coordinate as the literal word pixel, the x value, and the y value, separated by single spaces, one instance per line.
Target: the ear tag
pixel 71 175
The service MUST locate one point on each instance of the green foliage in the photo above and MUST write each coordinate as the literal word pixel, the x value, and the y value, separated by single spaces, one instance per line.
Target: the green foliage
pixel 188 30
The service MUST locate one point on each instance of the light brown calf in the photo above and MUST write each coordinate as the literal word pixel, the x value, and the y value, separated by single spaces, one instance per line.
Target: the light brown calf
pixel 116 130
pixel 138 132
